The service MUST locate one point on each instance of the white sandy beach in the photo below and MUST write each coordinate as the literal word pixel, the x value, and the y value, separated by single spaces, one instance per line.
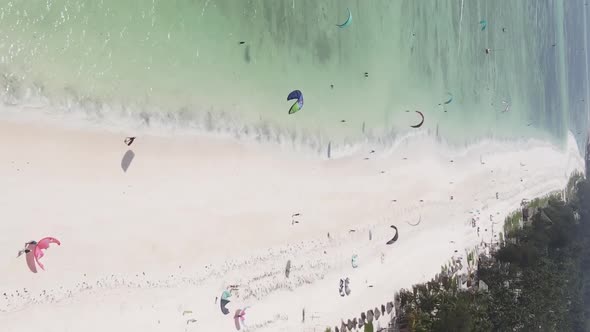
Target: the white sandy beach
pixel 193 215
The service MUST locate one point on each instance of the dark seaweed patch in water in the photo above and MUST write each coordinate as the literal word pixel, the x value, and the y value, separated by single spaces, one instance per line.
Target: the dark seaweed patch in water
pixel 145 117
pixel 323 51
pixel 247 56
pixel 11 87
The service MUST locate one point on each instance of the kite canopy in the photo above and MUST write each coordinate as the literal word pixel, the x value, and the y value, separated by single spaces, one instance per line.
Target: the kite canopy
pixel 417 223
pixel 450 99
pixel 295 94
pixel 225 295
pixel 239 317
pixel 222 304
pixel 421 121
pixel 30 258
pixel 346 288
pixel 392 241
pixel 224 301
pixel 348 20
pixel 354 261
pixel 483 24
pixel 43 244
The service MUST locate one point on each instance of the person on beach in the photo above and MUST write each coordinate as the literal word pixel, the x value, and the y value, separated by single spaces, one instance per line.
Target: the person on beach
pixel 129 140
pixel 26 250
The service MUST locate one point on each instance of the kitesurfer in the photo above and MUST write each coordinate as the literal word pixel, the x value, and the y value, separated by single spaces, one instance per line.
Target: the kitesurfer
pixel 26 250
pixel 129 140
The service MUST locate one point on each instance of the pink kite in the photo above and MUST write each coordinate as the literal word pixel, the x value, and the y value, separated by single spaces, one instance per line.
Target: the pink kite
pixel 41 245
pixel 239 316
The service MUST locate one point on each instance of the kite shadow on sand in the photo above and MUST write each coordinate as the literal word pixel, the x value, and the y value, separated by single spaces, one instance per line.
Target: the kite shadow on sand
pixel 127 159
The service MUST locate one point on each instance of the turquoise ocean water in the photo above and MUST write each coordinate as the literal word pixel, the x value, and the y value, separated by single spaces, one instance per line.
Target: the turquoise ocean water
pixel 228 65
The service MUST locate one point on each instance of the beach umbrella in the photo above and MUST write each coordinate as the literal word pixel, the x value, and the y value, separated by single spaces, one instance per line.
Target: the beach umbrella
pixel 389 307
pixel 370 316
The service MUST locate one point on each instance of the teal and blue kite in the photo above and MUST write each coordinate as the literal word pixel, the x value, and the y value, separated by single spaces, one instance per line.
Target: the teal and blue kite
pixel 347 22
pixel 483 24
pixel 295 94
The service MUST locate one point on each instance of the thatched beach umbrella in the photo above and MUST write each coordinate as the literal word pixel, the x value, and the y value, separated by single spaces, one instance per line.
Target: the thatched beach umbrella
pixel 377 313
pixel 349 325
pixel 370 316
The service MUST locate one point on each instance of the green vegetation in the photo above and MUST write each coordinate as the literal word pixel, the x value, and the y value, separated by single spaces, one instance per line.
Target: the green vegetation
pixel 536 280
pixel 513 221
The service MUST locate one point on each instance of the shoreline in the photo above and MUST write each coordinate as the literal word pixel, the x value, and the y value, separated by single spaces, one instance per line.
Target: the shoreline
pixel 268 133
pixel 197 214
